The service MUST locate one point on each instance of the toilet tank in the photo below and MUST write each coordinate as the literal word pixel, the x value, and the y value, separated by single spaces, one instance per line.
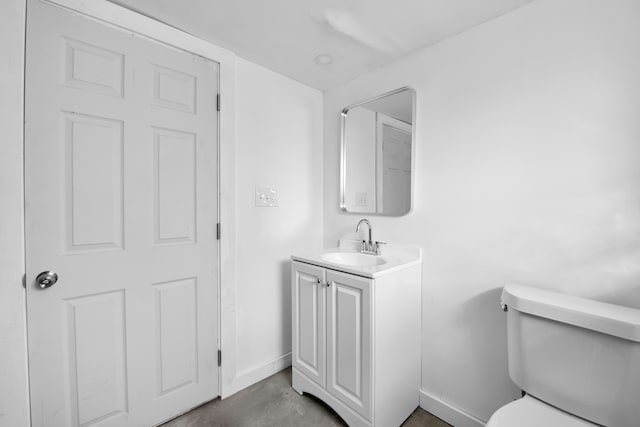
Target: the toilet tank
pixel 579 355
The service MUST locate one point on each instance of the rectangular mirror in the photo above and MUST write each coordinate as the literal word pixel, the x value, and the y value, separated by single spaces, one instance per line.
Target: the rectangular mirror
pixel 377 154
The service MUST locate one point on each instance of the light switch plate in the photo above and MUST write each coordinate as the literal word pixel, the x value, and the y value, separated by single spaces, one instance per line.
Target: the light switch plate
pixel 266 197
pixel 361 199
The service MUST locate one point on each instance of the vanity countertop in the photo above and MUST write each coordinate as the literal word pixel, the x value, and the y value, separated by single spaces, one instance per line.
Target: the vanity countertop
pixel 348 260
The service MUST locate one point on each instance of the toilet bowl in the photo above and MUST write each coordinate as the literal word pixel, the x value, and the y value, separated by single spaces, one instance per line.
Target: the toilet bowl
pixel 578 360
pixel 531 412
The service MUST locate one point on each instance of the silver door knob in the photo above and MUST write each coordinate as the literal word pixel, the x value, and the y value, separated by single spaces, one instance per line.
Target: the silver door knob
pixel 46 279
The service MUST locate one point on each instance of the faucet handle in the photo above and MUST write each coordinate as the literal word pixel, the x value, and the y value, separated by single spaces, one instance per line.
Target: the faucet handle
pixel 377 247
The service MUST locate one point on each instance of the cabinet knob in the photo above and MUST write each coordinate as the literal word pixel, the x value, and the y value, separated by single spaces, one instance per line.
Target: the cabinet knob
pixel 319 282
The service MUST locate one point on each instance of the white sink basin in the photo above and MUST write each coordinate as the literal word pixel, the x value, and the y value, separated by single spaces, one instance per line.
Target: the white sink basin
pixel 353 259
pixel 348 259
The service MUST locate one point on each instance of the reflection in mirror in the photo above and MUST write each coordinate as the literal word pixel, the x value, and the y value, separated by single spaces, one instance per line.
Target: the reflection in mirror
pixel 377 146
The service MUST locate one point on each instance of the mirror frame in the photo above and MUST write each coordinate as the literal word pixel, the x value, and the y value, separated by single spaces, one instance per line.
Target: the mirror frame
pixel 343 150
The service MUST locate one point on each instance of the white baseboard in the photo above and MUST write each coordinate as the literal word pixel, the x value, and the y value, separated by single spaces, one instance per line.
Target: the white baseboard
pixel 250 377
pixel 447 412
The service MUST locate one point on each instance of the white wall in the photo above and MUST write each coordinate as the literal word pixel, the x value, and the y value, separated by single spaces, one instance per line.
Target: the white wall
pixel 278 145
pixel 14 409
pixel 360 175
pixel 527 170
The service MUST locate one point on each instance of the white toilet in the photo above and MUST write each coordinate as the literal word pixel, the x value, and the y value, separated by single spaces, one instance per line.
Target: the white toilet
pixel 578 361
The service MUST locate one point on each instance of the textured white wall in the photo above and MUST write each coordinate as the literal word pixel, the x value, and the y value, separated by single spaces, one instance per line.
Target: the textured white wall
pixel 278 145
pixel 14 404
pixel 527 170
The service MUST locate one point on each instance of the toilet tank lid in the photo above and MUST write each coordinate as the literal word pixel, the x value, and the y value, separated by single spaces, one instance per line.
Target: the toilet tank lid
pixel 611 319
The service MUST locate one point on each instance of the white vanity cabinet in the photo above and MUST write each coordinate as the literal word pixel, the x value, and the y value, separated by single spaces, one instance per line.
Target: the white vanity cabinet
pixel 356 341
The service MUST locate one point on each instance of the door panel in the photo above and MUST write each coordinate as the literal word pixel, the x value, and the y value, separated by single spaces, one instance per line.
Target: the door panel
pixel 176 345
pixel 308 344
pixel 175 198
pixel 93 68
pixel 97 334
pixel 94 163
pixel 349 345
pixel 121 201
pixel 173 89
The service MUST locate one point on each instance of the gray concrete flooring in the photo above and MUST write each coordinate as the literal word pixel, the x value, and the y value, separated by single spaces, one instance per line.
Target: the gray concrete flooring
pixel 273 403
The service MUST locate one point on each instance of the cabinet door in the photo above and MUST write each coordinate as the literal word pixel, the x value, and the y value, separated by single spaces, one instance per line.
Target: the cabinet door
pixel 349 343
pixel 308 320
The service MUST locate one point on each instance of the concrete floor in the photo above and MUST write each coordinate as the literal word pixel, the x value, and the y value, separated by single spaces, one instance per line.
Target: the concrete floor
pixel 273 403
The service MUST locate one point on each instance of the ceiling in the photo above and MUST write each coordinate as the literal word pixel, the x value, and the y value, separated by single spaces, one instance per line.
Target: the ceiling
pixel 295 37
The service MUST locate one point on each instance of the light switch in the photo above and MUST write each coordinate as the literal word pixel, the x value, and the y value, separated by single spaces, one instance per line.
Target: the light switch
pixel 361 199
pixel 266 197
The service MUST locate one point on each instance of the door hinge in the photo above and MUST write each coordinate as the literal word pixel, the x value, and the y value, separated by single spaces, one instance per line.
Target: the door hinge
pixel 218 102
pixel 219 357
pixel 24 281
pixel 218 231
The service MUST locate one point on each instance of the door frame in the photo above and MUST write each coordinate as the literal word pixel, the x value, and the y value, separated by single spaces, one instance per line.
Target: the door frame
pixel 381 121
pixel 128 20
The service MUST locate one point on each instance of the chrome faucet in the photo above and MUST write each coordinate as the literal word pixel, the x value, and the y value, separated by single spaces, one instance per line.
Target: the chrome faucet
pixel 368 246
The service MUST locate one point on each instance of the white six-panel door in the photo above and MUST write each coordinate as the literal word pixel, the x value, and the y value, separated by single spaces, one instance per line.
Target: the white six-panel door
pixel 121 202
